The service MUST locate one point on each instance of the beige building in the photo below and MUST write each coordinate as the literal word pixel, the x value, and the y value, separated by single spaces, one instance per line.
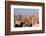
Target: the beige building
pixel 25 19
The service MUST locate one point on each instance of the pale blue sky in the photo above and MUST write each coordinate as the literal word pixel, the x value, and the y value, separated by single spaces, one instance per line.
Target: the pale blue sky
pixel 25 11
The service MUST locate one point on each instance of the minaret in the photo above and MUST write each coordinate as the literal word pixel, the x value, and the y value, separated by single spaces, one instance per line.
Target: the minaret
pixel 33 18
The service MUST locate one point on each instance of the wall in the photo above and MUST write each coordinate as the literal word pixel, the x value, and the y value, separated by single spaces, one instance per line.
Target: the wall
pixel 2 18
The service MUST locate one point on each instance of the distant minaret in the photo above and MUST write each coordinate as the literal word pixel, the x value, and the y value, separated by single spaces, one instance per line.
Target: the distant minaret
pixel 33 18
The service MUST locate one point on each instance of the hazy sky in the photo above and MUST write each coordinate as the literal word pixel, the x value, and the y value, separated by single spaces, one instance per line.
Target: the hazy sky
pixel 25 11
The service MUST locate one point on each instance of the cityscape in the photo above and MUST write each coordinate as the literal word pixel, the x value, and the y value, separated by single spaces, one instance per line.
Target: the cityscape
pixel 26 19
